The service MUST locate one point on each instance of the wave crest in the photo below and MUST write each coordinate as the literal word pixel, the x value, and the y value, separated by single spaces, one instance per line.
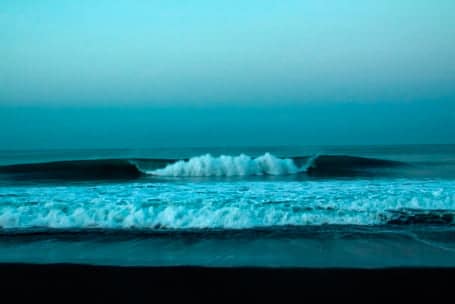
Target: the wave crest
pixel 202 166
pixel 225 165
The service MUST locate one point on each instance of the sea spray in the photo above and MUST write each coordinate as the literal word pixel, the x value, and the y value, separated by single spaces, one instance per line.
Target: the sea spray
pixel 225 165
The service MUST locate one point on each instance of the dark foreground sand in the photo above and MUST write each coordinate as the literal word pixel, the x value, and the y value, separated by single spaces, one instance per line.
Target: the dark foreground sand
pixel 148 283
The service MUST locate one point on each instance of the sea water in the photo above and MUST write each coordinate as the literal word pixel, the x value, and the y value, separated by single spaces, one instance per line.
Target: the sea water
pixel 365 206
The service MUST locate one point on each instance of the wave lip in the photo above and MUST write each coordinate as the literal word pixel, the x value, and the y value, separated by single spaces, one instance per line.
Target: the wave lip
pixel 224 165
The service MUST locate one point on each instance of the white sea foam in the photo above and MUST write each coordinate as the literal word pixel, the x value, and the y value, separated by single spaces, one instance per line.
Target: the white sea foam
pixel 224 205
pixel 224 165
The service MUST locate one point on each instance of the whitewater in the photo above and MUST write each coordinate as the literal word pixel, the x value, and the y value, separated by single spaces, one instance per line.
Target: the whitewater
pixel 226 205
pixel 225 165
pixel 230 208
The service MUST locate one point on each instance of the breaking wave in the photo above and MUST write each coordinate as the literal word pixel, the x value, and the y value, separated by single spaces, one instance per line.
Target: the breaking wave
pixel 242 165
pixel 199 166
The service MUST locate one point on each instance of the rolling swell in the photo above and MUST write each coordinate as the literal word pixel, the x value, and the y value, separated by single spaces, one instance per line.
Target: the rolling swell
pixel 200 166
pixel 73 170
pixel 343 165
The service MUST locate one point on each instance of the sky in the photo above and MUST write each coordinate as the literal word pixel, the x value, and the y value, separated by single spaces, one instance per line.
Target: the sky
pixel 81 74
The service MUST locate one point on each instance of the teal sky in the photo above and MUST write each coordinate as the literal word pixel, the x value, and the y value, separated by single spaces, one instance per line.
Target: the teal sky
pixel 348 59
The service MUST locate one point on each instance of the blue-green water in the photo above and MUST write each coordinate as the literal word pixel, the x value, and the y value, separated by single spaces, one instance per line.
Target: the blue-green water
pixel 370 206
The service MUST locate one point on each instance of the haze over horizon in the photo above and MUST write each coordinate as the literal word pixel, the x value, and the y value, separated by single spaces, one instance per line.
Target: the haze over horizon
pixel 135 74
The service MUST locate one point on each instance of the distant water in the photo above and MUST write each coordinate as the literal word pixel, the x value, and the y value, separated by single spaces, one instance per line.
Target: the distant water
pixel 356 206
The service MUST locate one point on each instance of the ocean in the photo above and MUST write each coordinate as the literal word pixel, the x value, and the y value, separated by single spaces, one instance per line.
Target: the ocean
pixel 283 206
